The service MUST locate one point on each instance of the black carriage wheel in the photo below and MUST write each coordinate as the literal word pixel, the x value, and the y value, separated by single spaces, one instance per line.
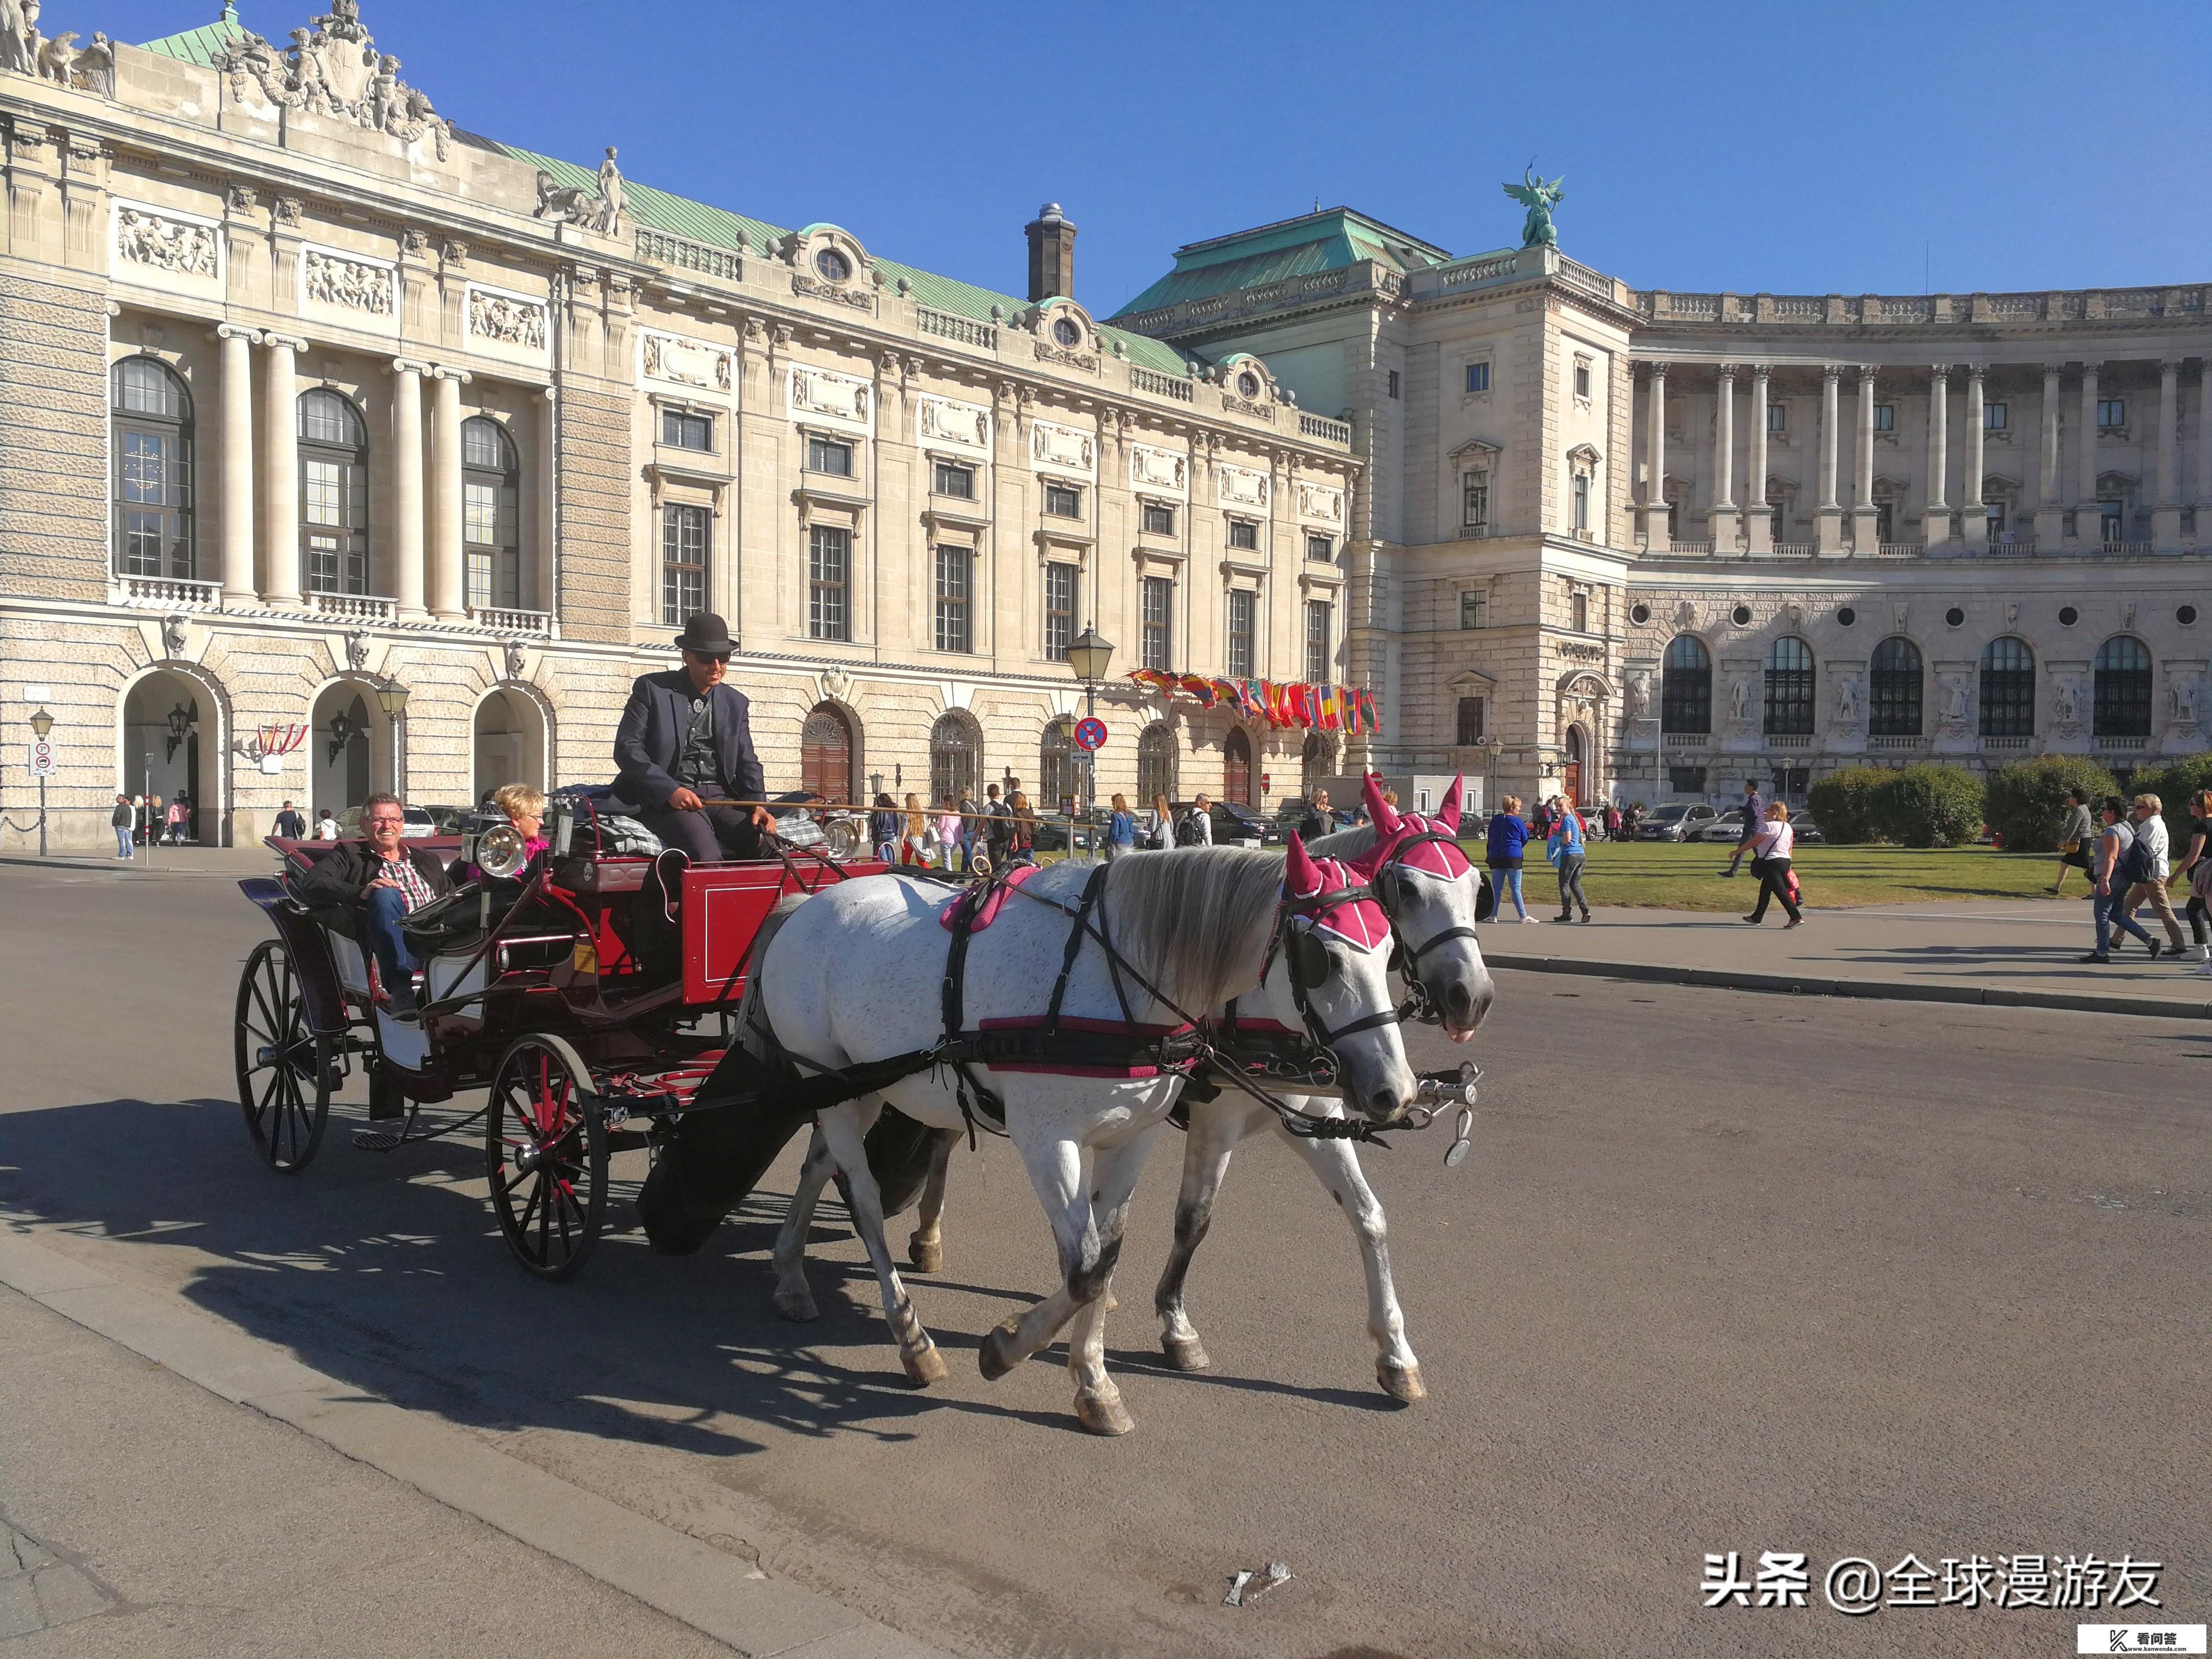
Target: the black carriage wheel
pixel 545 1156
pixel 284 1068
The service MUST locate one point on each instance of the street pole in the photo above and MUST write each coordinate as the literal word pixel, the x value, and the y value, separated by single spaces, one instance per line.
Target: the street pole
pixel 42 815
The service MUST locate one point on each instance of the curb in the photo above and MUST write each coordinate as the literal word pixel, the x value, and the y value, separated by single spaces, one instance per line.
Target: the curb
pixel 1992 996
pixel 713 1592
pixel 132 867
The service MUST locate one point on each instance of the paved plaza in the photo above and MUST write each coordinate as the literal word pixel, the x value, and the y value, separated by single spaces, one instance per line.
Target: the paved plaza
pixel 1727 1271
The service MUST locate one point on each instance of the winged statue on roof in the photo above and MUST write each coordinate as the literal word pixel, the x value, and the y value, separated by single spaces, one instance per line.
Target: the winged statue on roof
pixel 1540 199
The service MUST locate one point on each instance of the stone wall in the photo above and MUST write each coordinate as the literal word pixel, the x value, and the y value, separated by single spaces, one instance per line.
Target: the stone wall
pixel 54 436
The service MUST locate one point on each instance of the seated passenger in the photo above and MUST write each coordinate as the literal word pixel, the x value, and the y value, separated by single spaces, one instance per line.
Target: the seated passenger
pixel 525 810
pixel 386 879
pixel 685 740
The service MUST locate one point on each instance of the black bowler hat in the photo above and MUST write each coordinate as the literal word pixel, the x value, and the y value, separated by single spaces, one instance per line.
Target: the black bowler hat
pixel 706 634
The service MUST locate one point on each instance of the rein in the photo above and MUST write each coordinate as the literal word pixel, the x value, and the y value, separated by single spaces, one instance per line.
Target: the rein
pixel 1407 958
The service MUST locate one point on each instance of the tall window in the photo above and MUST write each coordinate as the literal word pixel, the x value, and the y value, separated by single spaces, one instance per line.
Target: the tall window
pixel 683 532
pixel 1156 762
pixel 956 481
pixel 956 573
pixel 1582 377
pixel 1055 765
pixel 1059 611
pixel 1243 608
pixel 2008 689
pixel 1788 689
pixel 153 470
pixel 1159 622
pixel 1885 521
pixel 1686 687
pixel 1993 417
pixel 829 582
pixel 955 743
pixel 2111 412
pixel 1778 417
pixel 1159 519
pixel 2112 521
pixel 1885 418
pixel 1477 377
pixel 333 495
pixel 1893 689
pixel 1474 503
pixel 1474 608
pixel 1243 533
pixel 683 428
pixel 1319 646
pixel 491 494
pixel 1470 721
pixel 1582 487
pixel 1578 612
pixel 1320 550
pixel 2122 673
pixel 829 456
pixel 1063 501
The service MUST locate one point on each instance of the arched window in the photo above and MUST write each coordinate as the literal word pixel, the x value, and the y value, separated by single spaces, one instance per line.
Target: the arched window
pixel 333 495
pixel 1156 762
pixel 1788 689
pixel 2008 689
pixel 491 491
pixel 1685 691
pixel 2123 671
pixel 956 744
pixel 1056 766
pixel 825 754
pixel 1236 767
pixel 1894 683
pixel 153 470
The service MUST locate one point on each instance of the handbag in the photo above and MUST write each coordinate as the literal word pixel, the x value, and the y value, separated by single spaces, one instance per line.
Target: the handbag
pixel 2070 847
pixel 2200 880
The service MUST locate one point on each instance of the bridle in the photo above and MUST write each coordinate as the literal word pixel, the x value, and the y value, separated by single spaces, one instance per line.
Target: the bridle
pixel 1297 937
pixel 1405 956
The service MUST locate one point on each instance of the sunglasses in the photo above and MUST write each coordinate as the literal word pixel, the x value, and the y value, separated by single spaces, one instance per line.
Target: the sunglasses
pixel 707 656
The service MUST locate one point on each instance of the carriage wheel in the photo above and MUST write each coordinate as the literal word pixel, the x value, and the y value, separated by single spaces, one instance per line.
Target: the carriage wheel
pixel 284 1068
pixel 545 1155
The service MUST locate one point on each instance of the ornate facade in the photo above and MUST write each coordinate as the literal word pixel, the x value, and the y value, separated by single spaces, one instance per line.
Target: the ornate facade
pixel 307 400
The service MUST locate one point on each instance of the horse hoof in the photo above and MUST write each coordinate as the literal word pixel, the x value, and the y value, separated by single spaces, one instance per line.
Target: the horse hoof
pixel 1112 1301
pixel 923 1368
pixel 1402 1382
pixel 797 1306
pixel 927 1254
pixel 1100 1411
pixel 995 1356
pixel 1186 1354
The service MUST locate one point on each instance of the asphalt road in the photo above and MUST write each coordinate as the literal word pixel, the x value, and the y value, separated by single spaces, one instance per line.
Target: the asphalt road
pixel 1727 1271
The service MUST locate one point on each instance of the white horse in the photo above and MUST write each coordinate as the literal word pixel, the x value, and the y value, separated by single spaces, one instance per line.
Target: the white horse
pixel 1430 891
pixel 853 976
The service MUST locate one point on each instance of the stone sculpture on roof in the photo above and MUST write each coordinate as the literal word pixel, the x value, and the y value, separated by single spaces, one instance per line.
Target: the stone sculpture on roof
pixel 1536 230
pixel 568 204
pixel 333 68
pixel 60 60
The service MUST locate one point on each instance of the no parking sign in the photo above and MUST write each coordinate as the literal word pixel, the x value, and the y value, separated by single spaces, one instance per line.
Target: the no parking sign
pixel 43 764
pixel 1090 733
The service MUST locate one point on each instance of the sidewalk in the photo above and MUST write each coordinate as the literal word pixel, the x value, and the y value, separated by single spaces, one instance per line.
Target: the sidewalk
pixel 232 861
pixel 2021 954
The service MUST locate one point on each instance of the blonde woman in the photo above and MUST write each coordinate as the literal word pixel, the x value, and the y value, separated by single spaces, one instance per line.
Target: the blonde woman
pixel 1771 846
pixel 525 807
pixel 1161 836
pixel 1121 827
pixel 912 847
pixel 948 830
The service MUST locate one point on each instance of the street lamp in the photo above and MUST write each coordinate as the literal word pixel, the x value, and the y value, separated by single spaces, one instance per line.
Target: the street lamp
pixel 342 733
pixel 42 723
pixel 1090 653
pixel 180 726
pixel 391 697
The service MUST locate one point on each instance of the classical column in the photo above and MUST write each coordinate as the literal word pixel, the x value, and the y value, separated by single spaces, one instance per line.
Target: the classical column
pixel 1757 516
pixel 237 465
pixel 546 593
pixel 2050 522
pixel 2204 453
pixel 1655 534
pixel 1936 517
pixel 1865 526
pixel 1829 516
pixel 2085 528
pixel 1723 514
pixel 407 487
pixel 1973 514
pixel 280 474
pixel 2166 514
pixel 447 586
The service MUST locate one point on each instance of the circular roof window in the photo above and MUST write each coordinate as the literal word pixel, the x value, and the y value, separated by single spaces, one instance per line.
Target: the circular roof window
pixel 833 267
pixel 1065 331
pixel 1248 385
pixel 1846 616
pixel 2068 616
pixel 2187 615
pixel 1954 616
pixel 1740 616
pixel 1639 613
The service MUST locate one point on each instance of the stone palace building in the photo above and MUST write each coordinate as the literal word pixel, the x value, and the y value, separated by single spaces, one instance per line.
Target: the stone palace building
pixel 341 447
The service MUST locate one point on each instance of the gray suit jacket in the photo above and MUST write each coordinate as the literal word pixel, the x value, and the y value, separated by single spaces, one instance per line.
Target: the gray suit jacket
pixel 649 741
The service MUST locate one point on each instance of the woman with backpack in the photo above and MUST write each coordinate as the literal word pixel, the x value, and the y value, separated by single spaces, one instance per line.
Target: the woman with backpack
pixel 1508 838
pixel 2115 874
pixel 1771 844
pixel 1565 847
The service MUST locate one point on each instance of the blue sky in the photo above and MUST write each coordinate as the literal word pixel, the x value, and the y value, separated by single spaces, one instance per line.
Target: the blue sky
pixel 1794 149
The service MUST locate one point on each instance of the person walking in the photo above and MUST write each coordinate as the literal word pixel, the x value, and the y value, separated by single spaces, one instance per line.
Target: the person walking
pixel 883 827
pixel 1613 820
pixel 1161 834
pixel 913 839
pixel 1022 825
pixel 1755 810
pixel 290 825
pixel 1565 848
pixel 2074 839
pixel 998 832
pixel 173 820
pixel 2197 869
pixel 1771 847
pixel 1318 821
pixel 2152 846
pixel 1121 827
pixel 971 819
pixel 1195 826
pixel 947 830
pixel 122 818
pixel 1507 839
pixel 2110 879
pixel 327 824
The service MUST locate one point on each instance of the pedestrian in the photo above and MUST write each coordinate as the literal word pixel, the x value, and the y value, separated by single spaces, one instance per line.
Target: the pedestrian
pixel 1022 824
pixel 998 834
pixel 2074 839
pixel 1770 862
pixel 122 819
pixel 1195 826
pixel 1121 827
pixel 948 830
pixel 2152 845
pixel 971 819
pixel 2197 868
pixel 1613 820
pixel 1755 810
pixel 2114 874
pixel 1318 821
pixel 883 827
pixel 914 838
pixel 1160 835
pixel 290 825
pixel 327 824
pixel 1508 837
pixel 1565 846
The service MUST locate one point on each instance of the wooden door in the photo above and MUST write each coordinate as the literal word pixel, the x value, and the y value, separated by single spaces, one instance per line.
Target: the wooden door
pixel 825 754
pixel 1236 767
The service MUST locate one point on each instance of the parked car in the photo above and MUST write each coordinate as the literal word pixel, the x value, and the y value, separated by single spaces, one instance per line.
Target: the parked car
pixel 1240 826
pixel 421 821
pixel 1726 828
pixel 1675 820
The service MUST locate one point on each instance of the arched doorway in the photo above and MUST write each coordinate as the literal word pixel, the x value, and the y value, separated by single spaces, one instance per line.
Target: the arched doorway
pixel 826 754
pixel 171 724
pixel 1236 767
pixel 1572 784
pixel 509 744
pixel 348 748
pixel 956 747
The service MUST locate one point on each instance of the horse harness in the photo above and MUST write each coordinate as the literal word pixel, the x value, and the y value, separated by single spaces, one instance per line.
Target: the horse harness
pixel 1405 956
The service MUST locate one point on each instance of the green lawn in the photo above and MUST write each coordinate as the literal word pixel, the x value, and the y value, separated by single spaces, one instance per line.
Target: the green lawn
pixel 1666 876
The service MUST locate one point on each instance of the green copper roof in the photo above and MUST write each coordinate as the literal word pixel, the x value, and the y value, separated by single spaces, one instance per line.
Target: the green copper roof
pixel 1304 247
pixel 202 46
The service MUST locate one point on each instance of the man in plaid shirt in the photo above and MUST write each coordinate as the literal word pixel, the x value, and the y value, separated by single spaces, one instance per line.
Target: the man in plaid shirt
pixel 385 881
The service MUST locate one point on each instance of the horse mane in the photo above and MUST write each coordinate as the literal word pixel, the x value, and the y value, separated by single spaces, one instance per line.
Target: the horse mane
pixel 1192 919
pixel 1345 844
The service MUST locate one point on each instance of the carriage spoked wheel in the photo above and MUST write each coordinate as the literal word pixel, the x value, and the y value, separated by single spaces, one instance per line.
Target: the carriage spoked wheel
pixel 545 1156
pixel 284 1068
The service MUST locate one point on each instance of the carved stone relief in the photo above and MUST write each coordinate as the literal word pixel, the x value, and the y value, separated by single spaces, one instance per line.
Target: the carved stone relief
pixel 1847 701
pixel 507 318
pixel 1243 486
pixel 2065 704
pixel 515 658
pixel 1323 503
pixel 184 247
pixel 356 649
pixel 1066 447
pixel 945 421
pixel 2181 694
pixel 334 69
pixel 686 362
pixel 1152 468
pixel 331 279
pixel 823 391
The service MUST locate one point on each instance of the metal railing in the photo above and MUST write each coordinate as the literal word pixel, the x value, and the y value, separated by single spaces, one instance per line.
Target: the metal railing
pixel 170 592
pixel 1319 426
pixel 965 330
pixel 510 622
pixel 659 248
pixel 1178 386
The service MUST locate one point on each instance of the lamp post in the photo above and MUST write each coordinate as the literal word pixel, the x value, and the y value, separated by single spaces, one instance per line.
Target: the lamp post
pixel 391 698
pixel 1489 746
pixel 1090 653
pixel 42 723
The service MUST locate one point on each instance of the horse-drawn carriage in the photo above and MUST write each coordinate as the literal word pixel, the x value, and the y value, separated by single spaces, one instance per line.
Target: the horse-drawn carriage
pixel 592 993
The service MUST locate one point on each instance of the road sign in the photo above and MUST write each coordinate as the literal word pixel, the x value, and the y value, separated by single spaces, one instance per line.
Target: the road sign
pixel 1090 733
pixel 43 764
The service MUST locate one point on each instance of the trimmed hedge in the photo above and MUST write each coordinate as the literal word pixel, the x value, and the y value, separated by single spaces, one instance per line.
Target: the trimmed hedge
pixel 2173 783
pixel 2027 801
pixel 1842 803
pixel 1930 805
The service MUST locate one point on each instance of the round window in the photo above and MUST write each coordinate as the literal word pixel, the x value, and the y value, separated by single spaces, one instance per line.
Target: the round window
pixel 1639 613
pixel 1248 385
pixel 833 267
pixel 2068 616
pixel 1065 331
pixel 2187 615
pixel 1846 616
pixel 1740 616
pixel 1954 616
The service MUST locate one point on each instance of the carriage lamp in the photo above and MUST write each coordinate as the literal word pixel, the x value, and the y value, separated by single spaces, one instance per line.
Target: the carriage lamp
pixel 1090 653
pixel 393 696
pixel 42 723
pixel 342 733
pixel 180 726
